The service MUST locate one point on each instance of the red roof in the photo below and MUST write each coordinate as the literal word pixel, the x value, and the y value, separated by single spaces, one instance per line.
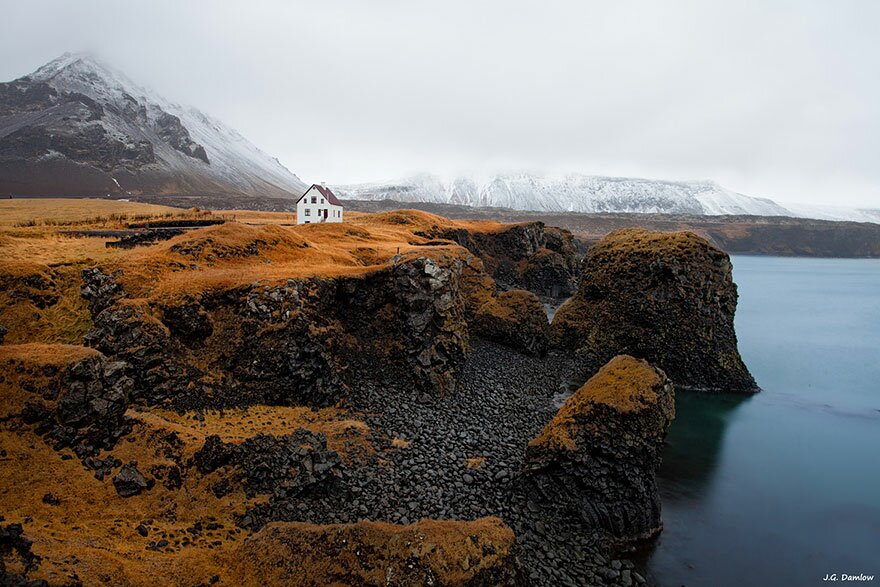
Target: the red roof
pixel 325 191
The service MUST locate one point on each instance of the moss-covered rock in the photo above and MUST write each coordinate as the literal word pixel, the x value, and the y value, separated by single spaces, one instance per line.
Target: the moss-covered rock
pixel 665 297
pixel 516 319
pixel 430 552
pixel 600 453
pixel 524 255
pixel 297 342
pixel 73 395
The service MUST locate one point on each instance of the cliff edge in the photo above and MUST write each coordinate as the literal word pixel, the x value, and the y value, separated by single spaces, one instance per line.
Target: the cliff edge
pixel 600 453
pixel 668 298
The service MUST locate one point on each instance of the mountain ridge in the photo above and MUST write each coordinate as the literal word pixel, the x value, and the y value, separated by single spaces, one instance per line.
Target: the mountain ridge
pixel 77 126
pixel 574 192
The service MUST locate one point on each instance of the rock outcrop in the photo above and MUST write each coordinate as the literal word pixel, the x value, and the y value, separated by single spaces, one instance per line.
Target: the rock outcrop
pixel 516 319
pixel 298 342
pixel 600 453
pixel 526 255
pixel 284 466
pixel 75 397
pixel 668 298
pixel 16 558
pixel 478 553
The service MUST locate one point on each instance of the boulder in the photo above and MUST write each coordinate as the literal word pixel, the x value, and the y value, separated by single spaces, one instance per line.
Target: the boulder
pixel 599 455
pixel 668 298
pixel 461 553
pixel 516 319
pixel 284 466
pixel 130 481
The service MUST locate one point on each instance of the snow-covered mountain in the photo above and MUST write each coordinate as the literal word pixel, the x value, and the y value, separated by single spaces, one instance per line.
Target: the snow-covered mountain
pixel 78 127
pixel 587 193
pixel 570 193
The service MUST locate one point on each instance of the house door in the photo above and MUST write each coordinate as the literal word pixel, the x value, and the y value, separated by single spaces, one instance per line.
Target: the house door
pixel 325 214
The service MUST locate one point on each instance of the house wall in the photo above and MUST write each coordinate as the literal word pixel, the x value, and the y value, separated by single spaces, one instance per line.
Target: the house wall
pixel 309 213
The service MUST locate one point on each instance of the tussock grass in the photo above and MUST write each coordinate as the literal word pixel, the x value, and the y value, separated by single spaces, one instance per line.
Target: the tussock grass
pixel 31 212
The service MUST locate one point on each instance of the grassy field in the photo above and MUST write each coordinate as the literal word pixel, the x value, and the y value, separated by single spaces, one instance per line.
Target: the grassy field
pixel 24 212
pixel 41 262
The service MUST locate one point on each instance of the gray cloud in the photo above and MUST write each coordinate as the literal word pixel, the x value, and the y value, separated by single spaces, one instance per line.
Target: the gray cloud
pixel 775 99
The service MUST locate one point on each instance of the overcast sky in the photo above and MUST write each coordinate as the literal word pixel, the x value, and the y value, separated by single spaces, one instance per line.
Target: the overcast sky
pixel 770 98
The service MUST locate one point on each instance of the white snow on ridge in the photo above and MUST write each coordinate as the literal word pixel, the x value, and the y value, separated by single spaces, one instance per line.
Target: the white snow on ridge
pixel 570 193
pixel 233 160
pixel 587 193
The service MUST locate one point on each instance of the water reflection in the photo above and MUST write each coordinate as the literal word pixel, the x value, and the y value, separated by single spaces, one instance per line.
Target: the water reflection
pixel 694 443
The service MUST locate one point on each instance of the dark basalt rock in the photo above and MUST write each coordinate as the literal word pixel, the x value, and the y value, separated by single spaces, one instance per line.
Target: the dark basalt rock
pixel 516 319
pixel 177 136
pixel 600 453
pixel 130 481
pixel 296 343
pixel 16 558
pixel 666 297
pixel 522 256
pixel 284 466
pixel 98 289
pixel 83 406
pixel 552 271
pixel 189 321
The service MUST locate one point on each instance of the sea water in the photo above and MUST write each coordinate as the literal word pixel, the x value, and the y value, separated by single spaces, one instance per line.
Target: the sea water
pixel 782 488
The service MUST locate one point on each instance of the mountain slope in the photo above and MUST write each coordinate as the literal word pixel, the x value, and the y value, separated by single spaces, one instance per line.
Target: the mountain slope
pixel 585 193
pixel 77 127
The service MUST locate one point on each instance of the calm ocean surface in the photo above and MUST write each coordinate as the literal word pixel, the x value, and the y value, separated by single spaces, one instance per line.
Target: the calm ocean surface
pixel 784 487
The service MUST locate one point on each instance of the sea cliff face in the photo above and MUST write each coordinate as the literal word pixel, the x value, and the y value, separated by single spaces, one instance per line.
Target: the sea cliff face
pixel 599 455
pixel 668 298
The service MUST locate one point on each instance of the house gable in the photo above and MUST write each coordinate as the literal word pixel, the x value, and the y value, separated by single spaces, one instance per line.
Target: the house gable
pixel 325 192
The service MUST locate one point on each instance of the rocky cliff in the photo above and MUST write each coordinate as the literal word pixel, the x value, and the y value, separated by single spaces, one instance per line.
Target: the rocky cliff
pixel 599 455
pixel 665 297
pixel 299 342
pixel 526 255
pixel 516 319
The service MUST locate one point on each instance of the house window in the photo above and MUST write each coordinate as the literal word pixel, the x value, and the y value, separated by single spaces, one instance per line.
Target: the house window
pixel 322 200
pixel 307 212
pixel 314 199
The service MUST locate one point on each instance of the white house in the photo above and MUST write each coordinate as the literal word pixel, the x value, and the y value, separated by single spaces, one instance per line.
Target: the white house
pixel 318 204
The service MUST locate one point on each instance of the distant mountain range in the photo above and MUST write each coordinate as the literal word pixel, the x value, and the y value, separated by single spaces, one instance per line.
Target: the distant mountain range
pixel 587 193
pixel 78 127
